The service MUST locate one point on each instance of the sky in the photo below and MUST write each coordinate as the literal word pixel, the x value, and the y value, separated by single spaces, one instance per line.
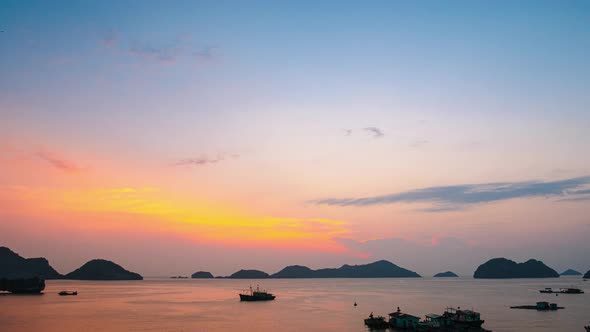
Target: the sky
pixel 178 136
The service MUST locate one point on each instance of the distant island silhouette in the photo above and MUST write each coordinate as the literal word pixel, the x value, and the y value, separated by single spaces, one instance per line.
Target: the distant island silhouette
pixel 378 269
pixel 202 275
pixel 570 272
pixel 249 274
pixel 447 274
pixel 502 268
pixel 100 269
pixel 13 266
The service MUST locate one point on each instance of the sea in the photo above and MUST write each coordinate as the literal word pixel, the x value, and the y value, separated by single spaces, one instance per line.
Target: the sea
pixel 160 304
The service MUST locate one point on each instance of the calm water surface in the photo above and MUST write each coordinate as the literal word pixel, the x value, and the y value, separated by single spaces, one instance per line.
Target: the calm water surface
pixel 301 304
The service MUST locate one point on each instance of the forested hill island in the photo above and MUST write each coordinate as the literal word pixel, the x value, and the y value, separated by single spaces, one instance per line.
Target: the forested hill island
pixel 13 266
pixel 502 268
pixel 379 269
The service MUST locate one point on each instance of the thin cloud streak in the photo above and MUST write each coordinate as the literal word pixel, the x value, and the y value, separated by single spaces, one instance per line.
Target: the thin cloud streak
pixel 171 52
pixel 204 160
pixel 59 162
pixel 419 143
pixel 452 198
pixel 376 132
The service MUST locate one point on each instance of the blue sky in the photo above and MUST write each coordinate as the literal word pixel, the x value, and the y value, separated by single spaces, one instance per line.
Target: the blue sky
pixel 273 100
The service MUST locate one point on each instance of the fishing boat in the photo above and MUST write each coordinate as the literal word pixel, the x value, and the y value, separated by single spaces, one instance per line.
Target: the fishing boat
pixel 540 306
pixel 402 320
pixel 66 293
pixel 463 318
pixel 256 295
pixel 569 290
pixel 378 322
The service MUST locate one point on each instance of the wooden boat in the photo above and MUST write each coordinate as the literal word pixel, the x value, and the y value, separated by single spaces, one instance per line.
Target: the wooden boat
pixel 256 295
pixel 540 306
pixel 66 293
pixel 463 318
pixel 569 290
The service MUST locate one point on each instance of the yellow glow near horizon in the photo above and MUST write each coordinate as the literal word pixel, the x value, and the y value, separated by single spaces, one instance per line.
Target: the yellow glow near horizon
pixel 200 220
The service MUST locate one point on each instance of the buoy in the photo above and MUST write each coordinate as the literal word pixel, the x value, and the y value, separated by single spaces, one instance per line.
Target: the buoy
pixel 355 304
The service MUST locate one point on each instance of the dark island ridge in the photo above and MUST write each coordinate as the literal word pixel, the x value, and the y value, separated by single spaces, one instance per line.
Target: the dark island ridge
pixel 13 266
pixel 502 268
pixel 447 274
pixel 571 272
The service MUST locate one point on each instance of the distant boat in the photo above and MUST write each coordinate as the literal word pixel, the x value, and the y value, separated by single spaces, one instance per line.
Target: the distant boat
pixel 540 306
pixel 570 290
pixel 256 295
pixel 65 293
pixel 463 318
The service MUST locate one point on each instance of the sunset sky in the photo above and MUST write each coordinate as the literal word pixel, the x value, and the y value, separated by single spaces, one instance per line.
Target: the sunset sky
pixel 172 137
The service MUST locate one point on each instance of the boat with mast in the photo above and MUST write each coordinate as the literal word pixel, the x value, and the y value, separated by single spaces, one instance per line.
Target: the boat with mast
pixel 256 295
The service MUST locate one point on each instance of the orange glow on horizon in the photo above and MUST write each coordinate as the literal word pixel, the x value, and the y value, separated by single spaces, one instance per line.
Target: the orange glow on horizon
pixel 152 210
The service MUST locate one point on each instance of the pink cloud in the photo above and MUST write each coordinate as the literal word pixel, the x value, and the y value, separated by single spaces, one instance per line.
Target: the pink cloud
pixel 59 162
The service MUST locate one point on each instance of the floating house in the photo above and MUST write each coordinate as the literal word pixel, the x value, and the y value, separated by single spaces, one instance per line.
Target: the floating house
pixel 546 306
pixel 402 320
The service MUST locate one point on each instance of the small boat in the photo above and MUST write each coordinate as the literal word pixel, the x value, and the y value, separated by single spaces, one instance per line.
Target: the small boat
pixel 540 306
pixel 462 318
pixel 66 293
pixel 256 295
pixel 378 322
pixel 569 290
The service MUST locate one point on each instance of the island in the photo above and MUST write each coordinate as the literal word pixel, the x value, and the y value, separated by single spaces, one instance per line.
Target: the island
pixel 202 275
pixel 294 271
pixel 13 266
pixel 378 269
pixel 249 274
pixel 100 269
pixel 587 275
pixel 570 272
pixel 447 274
pixel 502 268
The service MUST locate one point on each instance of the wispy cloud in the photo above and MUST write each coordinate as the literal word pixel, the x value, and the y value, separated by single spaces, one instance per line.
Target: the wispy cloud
pixel 419 143
pixel 205 160
pixel 169 52
pixel 448 198
pixel 59 162
pixel 161 55
pixel 206 54
pixel 376 132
